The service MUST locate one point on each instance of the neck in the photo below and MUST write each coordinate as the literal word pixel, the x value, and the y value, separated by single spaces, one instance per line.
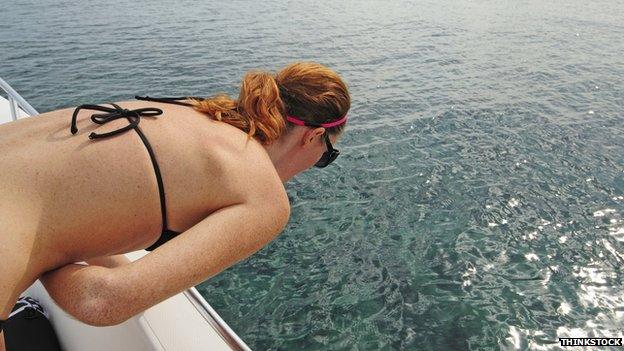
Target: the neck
pixel 279 156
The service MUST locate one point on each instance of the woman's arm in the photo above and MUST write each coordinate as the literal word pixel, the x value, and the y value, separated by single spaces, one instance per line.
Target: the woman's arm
pixel 109 261
pixel 78 289
pixel 107 296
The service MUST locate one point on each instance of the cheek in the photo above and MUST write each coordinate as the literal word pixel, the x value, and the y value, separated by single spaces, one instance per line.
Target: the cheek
pixel 312 157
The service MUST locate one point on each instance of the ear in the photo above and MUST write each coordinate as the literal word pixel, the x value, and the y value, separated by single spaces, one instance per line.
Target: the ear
pixel 313 135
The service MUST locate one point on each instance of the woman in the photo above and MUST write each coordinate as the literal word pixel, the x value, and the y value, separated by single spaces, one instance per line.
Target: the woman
pixel 210 169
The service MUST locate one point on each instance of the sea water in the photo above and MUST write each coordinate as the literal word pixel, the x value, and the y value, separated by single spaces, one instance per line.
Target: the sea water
pixel 477 202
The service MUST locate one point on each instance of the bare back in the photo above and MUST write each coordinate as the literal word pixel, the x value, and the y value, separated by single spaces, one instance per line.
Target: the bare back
pixel 66 198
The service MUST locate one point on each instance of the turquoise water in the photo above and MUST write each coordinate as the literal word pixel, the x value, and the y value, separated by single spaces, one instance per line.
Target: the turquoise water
pixel 478 200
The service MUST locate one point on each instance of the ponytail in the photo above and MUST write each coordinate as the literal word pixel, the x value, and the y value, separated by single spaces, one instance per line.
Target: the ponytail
pixel 258 111
pixel 307 90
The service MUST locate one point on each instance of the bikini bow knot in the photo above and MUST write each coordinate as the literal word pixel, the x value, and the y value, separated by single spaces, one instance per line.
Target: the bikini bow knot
pixel 133 116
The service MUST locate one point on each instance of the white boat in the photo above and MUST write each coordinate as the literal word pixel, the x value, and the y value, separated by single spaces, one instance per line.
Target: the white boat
pixel 184 322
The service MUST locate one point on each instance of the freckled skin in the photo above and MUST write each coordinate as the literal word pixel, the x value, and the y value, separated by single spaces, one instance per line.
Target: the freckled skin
pixel 66 198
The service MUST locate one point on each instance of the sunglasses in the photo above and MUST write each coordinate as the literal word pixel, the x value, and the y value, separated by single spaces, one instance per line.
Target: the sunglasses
pixel 331 154
pixel 328 156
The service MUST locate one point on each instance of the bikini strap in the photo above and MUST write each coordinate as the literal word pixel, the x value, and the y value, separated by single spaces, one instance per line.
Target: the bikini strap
pixel 134 117
pixel 169 100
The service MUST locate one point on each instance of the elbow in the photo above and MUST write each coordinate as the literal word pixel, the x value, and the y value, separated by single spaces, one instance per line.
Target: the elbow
pixel 104 309
pixel 101 313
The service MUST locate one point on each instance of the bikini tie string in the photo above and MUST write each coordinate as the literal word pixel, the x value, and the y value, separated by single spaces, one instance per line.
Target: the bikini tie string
pixel 111 114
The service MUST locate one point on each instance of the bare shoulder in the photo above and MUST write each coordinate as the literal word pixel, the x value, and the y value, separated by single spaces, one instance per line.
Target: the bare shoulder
pixel 239 166
pixel 247 169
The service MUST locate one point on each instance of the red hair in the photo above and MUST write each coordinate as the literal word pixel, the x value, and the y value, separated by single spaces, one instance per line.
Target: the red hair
pixel 306 90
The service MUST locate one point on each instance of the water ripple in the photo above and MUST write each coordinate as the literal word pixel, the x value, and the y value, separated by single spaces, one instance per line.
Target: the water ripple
pixel 477 201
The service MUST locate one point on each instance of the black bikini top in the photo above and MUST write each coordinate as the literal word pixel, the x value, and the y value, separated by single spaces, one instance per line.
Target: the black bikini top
pixel 133 117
